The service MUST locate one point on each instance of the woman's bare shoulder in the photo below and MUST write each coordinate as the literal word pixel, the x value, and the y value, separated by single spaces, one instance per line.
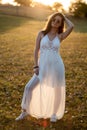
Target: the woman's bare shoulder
pixel 41 34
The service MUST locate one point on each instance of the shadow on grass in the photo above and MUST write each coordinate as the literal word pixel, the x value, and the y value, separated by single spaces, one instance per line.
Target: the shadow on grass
pixel 80 25
pixel 8 22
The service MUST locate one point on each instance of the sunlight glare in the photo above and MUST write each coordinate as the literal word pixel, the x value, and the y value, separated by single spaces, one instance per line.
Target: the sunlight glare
pixel 50 2
pixel 65 3
pixel 9 1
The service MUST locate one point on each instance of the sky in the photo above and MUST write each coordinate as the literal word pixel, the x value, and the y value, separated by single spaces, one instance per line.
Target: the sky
pixel 65 3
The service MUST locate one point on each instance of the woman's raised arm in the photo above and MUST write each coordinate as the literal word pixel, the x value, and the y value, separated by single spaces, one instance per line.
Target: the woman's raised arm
pixel 69 29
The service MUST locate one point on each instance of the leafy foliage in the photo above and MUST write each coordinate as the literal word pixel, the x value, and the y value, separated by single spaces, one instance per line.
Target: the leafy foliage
pixel 57 6
pixel 79 8
pixel 24 2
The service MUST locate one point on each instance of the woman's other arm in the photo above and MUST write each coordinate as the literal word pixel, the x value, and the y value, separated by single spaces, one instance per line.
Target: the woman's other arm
pixel 69 29
pixel 36 50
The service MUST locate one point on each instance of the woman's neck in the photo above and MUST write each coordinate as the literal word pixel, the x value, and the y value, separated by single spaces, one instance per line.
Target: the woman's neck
pixel 53 31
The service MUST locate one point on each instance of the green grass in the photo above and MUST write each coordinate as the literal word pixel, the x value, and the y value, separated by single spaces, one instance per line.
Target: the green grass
pixel 17 40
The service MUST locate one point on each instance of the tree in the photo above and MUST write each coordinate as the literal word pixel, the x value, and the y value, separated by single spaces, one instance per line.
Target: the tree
pixel 24 2
pixel 57 6
pixel 79 9
pixel 40 5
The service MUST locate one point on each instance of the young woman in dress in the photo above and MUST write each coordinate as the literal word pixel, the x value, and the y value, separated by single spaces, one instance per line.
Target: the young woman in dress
pixel 45 93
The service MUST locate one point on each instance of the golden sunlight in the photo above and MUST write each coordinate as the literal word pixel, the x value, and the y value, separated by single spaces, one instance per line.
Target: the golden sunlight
pixel 65 3
pixel 9 1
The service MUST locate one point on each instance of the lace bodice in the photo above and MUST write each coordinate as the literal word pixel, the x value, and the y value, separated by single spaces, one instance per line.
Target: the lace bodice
pixel 49 45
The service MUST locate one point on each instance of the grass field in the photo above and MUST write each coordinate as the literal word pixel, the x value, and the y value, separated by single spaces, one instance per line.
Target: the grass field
pixel 17 40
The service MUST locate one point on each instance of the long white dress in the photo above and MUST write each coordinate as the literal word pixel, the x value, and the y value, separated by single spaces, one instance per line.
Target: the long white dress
pixel 44 94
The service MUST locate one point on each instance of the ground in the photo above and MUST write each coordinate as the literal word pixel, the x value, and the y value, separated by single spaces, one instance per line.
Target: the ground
pixel 17 40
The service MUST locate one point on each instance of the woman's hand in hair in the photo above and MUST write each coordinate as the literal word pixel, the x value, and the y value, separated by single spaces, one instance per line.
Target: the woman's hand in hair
pixel 68 30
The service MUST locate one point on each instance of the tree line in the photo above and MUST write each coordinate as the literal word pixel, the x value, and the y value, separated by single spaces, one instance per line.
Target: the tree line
pixel 77 8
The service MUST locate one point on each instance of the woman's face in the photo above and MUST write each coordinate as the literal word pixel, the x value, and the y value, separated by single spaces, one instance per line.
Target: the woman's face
pixel 56 21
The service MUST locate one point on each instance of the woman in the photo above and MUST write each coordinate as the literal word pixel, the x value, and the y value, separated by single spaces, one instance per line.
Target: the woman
pixel 44 95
